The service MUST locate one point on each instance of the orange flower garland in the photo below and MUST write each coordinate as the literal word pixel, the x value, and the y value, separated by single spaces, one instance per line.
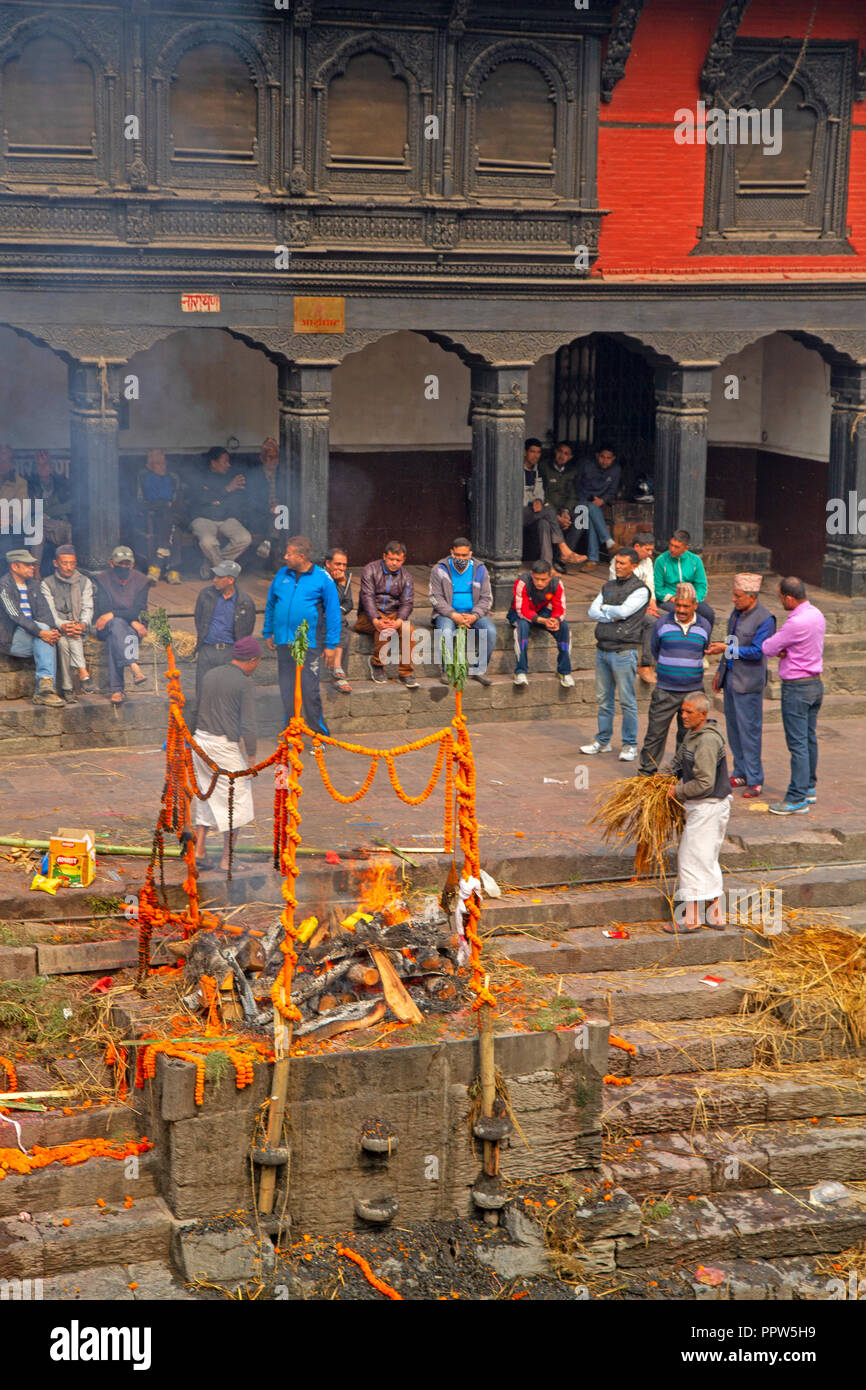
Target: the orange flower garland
pixel 69 1155
pixel 368 1273
pixel 243 1053
pixel 11 1074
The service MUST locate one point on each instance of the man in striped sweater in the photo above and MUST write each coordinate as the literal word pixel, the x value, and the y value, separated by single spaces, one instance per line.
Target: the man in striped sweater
pixel 679 642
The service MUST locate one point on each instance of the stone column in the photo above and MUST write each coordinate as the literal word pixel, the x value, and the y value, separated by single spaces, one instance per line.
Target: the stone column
pixel 682 402
pixel 497 416
pixel 845 556
pixel 94 393
pixel 305 412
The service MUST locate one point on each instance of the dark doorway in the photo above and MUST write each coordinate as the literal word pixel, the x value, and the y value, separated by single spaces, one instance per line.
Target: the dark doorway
pixel 604 391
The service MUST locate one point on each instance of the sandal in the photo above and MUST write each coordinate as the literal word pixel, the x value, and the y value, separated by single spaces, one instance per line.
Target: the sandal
pixel 340 681
pixel 117 698
pixel 140 680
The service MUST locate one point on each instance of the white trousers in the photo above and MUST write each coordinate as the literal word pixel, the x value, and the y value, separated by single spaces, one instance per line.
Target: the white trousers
pixel 699 878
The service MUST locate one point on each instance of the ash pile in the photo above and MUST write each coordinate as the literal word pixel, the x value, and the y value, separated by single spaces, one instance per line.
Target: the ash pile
pixel 353 971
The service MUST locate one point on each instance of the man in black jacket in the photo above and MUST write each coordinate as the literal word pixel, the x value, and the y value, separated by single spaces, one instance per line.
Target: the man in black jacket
pixel 26 626
pixel 619 610
pixel 598 482
pixel 216 505
pixel 223 614
pixel 120 603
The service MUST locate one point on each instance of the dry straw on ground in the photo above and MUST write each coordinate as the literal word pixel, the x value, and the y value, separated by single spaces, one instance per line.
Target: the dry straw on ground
pixel 639 809
pixel 814 979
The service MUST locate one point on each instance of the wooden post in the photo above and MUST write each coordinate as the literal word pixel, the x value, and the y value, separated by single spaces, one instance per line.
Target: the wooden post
pixel 282 1024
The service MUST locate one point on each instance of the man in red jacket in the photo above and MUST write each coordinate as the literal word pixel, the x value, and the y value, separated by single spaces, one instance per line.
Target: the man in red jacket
pixel 539 601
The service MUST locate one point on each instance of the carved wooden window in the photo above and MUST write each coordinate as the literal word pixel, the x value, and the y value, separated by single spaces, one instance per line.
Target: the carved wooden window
pixel 368 115
pixel 213 107
pixel 791 202
pixel 48 103
pixel 515 131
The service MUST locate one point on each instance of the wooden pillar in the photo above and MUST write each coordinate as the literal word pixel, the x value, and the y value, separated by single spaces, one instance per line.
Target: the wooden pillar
pixel 682 402
pixel 305 414
pixel 845 556
pixel 498 418
pixel 94 393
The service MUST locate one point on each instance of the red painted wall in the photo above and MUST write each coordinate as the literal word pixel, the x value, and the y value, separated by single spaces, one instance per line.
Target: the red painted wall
pixel 654 188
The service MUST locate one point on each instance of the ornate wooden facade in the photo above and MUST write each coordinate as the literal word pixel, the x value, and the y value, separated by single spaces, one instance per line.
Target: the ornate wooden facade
pixel 475 198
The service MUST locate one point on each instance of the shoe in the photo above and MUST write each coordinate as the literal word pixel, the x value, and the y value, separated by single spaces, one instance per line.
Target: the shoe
pixel 559 567
pixel 482 678
pixel 162 552
pixel 68 697
pixel 611 545
pixel 811 796
pixel 443 679
pixel 87 687
pixel 377 673
pixel 628 754
pixel 173 577
pixel 596 747
pixel 789 808
pixel 738 781
pixel 566 681
pixel 409 682
pixel 752 793
pixel 521 678
pixel 154 572
pixel 46 694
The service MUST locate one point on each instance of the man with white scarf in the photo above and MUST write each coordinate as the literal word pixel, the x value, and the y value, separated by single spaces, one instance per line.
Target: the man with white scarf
pixel 704 788
pixel 226 717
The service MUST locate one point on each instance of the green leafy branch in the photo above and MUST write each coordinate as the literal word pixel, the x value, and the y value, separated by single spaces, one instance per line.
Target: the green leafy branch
pixel 300 644
pixel 456 670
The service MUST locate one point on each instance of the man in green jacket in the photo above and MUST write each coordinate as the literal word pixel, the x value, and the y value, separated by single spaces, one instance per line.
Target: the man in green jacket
pixel 679 565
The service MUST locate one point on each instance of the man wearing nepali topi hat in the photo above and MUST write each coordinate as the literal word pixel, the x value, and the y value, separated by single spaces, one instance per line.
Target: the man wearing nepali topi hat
pixel 226 717
pixel 742 675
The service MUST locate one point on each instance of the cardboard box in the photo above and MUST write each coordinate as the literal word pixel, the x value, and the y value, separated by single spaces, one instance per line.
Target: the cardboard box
pixel 72 854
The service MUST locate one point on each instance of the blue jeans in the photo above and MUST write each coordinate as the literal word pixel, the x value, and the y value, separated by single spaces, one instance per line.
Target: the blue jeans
pixel 615 675
pixel 801 701
pixel 562 638
pixel 597 532
pixel 44 656
pixel 480 641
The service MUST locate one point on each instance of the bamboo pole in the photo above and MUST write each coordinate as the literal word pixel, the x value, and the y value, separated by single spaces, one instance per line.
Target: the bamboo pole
pixel 282 1023
pixel 488 1080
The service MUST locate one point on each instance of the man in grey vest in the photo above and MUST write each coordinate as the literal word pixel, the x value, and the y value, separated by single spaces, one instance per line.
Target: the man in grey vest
pixel 618 610
pixel 742 675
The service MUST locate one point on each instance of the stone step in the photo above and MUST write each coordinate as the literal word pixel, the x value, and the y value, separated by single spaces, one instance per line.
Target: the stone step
pixel 51 1127
pixel 93 1236
pixel 586 950
pixel 682 1103
pixel 624 996
pixel 718 1044
pixel 735 557
pixel 148 1281
pixel 742 1225
pixel 823 886
pixel 57 1186
pixel 782 1154
pixel 722 533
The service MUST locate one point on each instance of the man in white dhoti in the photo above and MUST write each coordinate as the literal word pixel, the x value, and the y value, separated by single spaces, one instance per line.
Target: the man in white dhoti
pixel 226 717
pixel 704 788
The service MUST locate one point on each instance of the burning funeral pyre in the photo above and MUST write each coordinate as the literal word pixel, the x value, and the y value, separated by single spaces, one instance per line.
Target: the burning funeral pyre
pixel 355 967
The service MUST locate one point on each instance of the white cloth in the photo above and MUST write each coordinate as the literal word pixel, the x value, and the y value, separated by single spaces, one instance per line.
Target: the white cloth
pixel 214 813
pixel 699 878
pixel 465 889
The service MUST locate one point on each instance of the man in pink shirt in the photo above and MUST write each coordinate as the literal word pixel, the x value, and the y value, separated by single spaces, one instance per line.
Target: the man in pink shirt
pixel 799 643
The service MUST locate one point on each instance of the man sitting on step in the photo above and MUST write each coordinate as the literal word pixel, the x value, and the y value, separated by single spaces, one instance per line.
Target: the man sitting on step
pixel 539 601
pixel 704 788
pixel 461 596
pixel 679 565
pixel 69 595
pixel 26 625
pixel 158 535
pixel 120 604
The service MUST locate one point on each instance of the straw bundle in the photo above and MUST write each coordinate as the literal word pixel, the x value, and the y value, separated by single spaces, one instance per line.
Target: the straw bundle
pixel 183 643
pixel 814 979
pixel 639 809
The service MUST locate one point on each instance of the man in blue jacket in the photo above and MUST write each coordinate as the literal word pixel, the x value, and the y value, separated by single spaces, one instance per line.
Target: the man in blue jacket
pixel 302 590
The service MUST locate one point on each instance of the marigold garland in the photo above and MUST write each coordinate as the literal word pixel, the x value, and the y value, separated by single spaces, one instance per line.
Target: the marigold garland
pixel 11 1074
pixel 69 1155
pixel 621 1042
pixel 616 1080
pixel 368 1273
pixel 243 1053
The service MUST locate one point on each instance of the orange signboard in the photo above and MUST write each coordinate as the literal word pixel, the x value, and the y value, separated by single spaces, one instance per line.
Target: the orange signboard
pixel 200 303
pixel 314 315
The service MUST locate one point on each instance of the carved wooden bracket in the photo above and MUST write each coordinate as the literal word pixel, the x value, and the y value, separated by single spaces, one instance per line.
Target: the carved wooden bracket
pixel 619 46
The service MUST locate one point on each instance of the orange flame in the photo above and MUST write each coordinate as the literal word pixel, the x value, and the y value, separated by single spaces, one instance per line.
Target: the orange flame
pixel 381 891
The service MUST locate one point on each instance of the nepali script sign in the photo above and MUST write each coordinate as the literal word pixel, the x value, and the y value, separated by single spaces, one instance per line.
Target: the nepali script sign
pixel 314 315
pixel 200 303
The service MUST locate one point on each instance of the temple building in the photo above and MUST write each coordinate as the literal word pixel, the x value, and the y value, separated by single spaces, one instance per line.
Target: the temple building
pixel 401 239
